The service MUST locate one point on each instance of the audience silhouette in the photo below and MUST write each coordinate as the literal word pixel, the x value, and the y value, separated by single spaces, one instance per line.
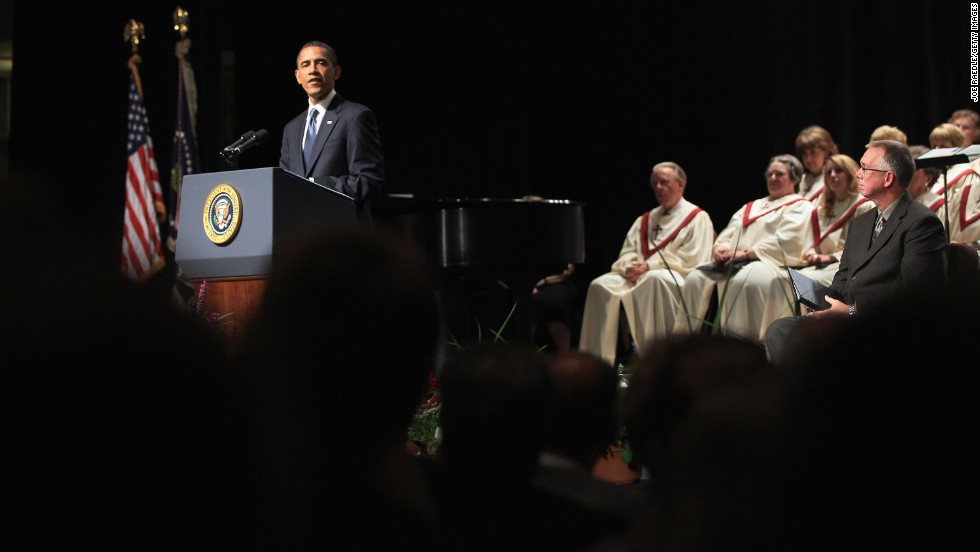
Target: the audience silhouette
pixel 581 427
pixel 333 366
pixel 495 398
pixel 877 450
pixel 120 427
pixel 699 414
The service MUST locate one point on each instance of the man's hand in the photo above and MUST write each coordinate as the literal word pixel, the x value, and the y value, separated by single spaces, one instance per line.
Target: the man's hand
pixel 837 308
pixel 817 259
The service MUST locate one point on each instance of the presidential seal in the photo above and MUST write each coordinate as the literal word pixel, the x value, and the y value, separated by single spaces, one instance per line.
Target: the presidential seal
pixel 222 214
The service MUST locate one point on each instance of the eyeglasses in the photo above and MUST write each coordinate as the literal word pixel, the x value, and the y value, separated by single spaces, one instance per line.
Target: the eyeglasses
pixel 869 169
pixel 777 174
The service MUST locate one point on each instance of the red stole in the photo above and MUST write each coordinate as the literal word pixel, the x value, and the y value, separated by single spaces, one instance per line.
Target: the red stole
pixel 815 222
pixel 964 199
pixel 645 226
pixel 747 220
pixel 955 180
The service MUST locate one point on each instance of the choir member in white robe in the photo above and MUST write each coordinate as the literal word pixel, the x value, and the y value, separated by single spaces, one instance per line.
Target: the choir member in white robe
pixel 765 235
pixel 964 210
pixel 829 222
pixel 660 249
pixel 955 177
pixel 814 145
pixel 948 135
pixel 922 182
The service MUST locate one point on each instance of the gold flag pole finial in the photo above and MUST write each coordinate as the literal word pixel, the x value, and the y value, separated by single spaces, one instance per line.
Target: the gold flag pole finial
pixel 133 33
pixel 180 21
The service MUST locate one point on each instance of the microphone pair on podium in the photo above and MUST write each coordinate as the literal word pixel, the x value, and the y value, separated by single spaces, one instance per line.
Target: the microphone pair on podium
pixel 245 141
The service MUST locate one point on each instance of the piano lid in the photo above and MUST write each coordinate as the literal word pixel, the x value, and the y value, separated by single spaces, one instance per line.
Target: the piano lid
pixel 515 234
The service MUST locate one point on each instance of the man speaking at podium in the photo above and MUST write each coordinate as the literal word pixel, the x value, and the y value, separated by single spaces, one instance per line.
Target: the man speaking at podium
pixel 334 141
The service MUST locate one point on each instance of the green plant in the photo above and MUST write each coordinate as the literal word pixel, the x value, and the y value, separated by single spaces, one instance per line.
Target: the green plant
pixel 497 334
pixel 715 324
pixel 718 325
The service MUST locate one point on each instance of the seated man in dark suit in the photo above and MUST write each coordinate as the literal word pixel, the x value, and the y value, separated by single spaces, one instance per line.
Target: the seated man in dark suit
pixel 899 245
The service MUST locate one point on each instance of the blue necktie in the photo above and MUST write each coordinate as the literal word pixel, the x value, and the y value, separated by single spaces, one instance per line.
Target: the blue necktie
pixel 310 137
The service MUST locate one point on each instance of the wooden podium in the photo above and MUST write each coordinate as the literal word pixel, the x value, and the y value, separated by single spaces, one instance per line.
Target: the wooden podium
pixel 230 226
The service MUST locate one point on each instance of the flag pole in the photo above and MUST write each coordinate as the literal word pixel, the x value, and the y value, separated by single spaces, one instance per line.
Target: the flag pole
pixel 185 157
pixel 144 206
pixel 134 33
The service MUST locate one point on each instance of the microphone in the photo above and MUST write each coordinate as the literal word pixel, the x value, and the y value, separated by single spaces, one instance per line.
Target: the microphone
pixel 240 141
pixel 251 141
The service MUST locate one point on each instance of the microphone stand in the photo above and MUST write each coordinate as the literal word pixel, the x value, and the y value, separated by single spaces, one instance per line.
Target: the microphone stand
pixel 946 202
pixel 230 156
pixel 248 140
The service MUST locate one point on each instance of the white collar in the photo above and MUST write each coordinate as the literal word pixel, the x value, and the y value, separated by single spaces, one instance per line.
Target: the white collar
pixel 321 106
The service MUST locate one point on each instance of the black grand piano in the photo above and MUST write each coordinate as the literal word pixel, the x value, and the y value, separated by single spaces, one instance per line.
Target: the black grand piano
pixel 488 253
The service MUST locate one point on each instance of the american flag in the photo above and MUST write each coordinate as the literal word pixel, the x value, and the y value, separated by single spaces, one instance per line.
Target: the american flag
pixel 186 160
pixel 141 253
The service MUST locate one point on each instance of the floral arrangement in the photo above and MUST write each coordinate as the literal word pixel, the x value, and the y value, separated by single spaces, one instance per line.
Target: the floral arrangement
pixel 211 319
pixel 424 429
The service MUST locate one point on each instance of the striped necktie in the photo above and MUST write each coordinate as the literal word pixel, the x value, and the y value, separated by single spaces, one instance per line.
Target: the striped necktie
pixel 310 136
pixel 878 226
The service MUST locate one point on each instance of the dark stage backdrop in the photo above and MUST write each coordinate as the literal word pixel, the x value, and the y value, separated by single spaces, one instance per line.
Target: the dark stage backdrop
pixel 571 100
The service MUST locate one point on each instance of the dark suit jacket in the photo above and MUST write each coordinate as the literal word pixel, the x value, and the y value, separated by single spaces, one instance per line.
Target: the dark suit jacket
pixel 908 254
pixel 347 153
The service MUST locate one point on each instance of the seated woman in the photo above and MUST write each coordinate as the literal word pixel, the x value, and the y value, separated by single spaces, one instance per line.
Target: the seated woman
pixel 923 180
pixel 761 238
pixel 813 146
pixel 947 135
pixel 838 206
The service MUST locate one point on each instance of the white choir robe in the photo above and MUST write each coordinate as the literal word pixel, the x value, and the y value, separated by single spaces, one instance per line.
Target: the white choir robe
pixel 778 233
pixel 964 211
pixel 811 186
pixel 651 304
pixel 831 235
pixel 935 203
pixel 954 178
